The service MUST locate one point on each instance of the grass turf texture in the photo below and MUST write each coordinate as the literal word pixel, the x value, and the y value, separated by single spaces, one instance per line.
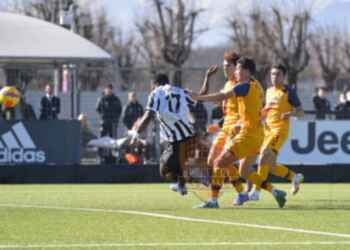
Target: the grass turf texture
pixel 320 207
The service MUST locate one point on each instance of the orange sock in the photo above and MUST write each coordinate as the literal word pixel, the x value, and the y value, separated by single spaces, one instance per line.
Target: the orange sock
pixel 218 177
pixel 256 179
pixel 217 181
pixel 284 172
pixel 234 178
pixel 232 172
pixel 215 191
pixel 263 171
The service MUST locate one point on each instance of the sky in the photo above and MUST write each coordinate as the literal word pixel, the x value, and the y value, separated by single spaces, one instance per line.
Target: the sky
pixel 125 13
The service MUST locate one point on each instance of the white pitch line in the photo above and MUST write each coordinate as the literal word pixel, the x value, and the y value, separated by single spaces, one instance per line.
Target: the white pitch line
pixel 174 244
pixel 182 218
pixel 80 192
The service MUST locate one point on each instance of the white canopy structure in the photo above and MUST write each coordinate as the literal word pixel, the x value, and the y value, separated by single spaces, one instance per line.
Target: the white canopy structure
pixel 26 39
pixel 27 42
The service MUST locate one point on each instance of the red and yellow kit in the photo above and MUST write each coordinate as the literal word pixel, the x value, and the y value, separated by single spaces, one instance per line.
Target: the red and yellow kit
pixel 280 99
pixel 250 98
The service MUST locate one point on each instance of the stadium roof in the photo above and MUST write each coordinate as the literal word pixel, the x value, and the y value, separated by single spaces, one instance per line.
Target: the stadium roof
pixel 26 39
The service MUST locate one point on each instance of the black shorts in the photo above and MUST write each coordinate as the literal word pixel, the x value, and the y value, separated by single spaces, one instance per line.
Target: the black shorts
pixel 175 155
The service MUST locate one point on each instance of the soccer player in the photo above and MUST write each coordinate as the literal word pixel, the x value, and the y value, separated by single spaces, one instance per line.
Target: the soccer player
pixel 170 105
pixel 246 144
pixel 282 102
pixel 226 134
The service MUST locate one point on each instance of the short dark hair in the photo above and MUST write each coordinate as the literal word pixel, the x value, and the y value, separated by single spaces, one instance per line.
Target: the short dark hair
pixel 109 86
pixel 247 63
pixel 280 67
pixel 161 79
pixel 231 57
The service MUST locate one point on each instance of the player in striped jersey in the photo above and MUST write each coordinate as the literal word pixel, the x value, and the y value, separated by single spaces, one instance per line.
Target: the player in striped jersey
pixel 170 105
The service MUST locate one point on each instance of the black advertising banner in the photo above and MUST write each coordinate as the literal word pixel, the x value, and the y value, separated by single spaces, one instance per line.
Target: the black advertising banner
pixel 39 142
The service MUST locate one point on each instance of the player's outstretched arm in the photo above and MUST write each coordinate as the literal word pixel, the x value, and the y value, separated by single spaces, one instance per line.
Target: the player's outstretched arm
pixel 205 86
pixel 215 97
pixel 140 126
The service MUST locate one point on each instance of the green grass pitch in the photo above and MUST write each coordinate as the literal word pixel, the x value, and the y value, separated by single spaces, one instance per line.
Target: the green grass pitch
pixel 150 216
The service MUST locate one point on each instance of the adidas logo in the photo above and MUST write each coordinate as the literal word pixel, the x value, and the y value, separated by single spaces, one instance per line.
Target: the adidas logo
pixel 16 146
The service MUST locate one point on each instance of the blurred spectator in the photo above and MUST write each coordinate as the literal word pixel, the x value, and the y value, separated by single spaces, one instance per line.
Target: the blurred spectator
pixel 217 114
pixel 200 117
pixel 343 108
pixel 85 130
pixel 132 111
pixel 109 108
pixel 321 103
pixel 339 108
pixel 50 105
pixel 27 110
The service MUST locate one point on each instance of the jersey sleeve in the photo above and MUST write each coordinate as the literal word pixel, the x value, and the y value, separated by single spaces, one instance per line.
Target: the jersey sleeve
pixel 293 98
pixel 188 98
pixel 153 102
pixel 241 89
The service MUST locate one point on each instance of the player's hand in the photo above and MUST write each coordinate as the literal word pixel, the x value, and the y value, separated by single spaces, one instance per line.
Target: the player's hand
pixel 211 71
pixel 285 116
pixel 134 137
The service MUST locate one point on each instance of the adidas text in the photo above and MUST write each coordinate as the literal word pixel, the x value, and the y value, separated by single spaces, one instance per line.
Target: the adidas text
pixel 22 155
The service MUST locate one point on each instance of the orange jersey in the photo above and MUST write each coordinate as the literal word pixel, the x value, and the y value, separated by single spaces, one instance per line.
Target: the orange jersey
pixel 230 108
pixel 280 99
pixel 250 98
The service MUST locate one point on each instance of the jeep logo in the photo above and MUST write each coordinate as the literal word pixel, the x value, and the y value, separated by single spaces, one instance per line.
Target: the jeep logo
pixel 327 142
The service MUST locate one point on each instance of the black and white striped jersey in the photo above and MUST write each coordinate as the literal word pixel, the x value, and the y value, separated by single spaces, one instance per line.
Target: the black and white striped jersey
pixel 171 105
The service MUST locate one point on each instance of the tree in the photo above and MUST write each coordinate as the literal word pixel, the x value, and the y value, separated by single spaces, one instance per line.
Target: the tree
pixel 175 25
pixel 48 10
pixel 150 46
pixel 246 34
pixel 286 36
pixel 326 43
pixel 124 51
pixel 346 54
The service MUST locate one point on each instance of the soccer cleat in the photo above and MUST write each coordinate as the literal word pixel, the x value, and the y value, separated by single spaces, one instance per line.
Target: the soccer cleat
pixel 297 180
pixel 208 204
pixel 177 188
pixel 280 197
pixel 240 199
pixel 254 195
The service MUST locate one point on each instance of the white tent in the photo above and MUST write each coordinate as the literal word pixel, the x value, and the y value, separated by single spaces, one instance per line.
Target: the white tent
pixel 25 39
pixel 31 42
